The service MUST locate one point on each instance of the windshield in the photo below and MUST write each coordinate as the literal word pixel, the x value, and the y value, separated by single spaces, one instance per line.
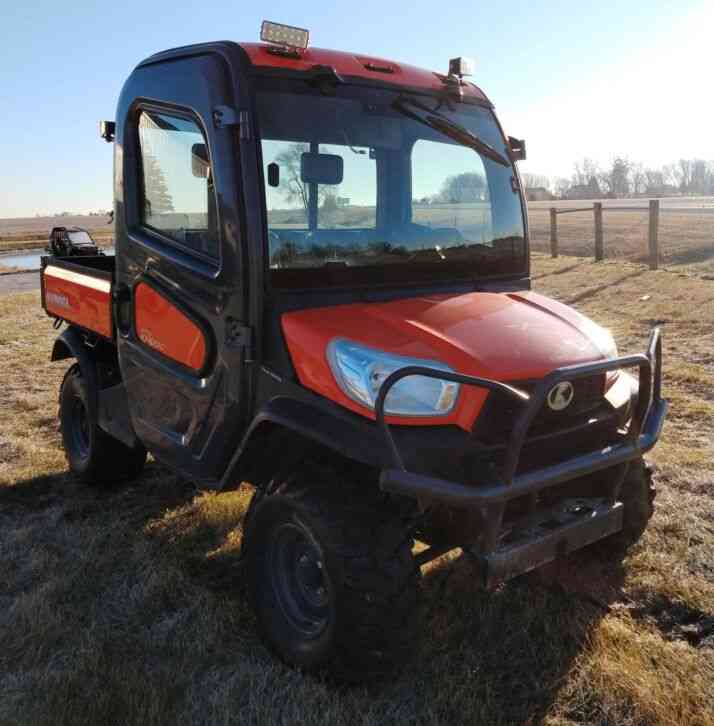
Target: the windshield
pixel 368 186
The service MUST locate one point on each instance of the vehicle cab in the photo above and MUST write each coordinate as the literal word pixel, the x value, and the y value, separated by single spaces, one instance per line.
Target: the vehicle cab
pixel 257 180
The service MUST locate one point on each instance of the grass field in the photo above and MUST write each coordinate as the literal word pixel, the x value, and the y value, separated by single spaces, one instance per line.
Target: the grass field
pixel 686 231
pixel 32 232
pixel 122 605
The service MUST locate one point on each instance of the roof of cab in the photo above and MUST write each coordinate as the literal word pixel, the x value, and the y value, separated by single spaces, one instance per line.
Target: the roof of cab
pixel 354 65
pixel 348 65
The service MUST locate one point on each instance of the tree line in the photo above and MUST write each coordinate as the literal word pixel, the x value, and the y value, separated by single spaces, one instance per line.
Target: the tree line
pixel 624 177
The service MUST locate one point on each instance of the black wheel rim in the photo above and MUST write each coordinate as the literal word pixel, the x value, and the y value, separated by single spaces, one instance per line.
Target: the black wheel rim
pixel 299 581
pixel 79 428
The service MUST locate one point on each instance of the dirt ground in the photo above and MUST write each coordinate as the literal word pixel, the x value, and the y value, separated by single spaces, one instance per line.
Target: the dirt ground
pixel 18 282
pixel 122 605
pixel 42 225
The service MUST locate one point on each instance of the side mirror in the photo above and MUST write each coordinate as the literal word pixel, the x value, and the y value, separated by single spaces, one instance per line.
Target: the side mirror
pixel 107 130
pixel 273 175
pixel 518 148
pixel 200 165
pixel 321 169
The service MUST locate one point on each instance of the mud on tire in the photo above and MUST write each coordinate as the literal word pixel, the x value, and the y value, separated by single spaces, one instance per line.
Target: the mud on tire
pixel 93 456
pixel 332 578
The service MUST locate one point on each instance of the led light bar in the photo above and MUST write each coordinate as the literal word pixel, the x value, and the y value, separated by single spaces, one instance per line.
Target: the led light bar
pixel 461 67
pixel 284 35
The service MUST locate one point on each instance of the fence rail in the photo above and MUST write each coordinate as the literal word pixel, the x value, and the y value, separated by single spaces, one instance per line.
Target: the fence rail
pixel 597 210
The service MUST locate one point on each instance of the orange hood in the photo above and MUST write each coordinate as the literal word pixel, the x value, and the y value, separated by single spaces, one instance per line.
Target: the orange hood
pixel 505 336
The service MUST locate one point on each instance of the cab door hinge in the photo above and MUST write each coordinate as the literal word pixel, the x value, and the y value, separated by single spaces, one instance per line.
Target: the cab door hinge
pixel 244 122
pixel 224 116
pixel 239 336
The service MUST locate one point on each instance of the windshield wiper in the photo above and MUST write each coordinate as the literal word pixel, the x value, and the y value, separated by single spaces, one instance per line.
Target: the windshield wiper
pixel 453 130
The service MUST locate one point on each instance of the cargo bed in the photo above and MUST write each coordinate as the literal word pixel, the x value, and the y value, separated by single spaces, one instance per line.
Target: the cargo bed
pixel 78 290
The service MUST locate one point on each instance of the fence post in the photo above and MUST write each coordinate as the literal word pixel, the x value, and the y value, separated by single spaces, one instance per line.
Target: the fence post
pixel 553 232
pixel 599 245
pixel 654 228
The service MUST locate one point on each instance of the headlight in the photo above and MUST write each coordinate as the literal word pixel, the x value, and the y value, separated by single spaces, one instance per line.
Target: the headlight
pixel 360 371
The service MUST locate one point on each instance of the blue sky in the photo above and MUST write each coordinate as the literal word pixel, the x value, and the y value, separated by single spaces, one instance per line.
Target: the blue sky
pixel 585 78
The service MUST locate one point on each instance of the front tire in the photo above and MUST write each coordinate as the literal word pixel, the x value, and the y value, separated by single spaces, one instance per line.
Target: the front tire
pixel 332 579
pixel 637 495
pixel 92 455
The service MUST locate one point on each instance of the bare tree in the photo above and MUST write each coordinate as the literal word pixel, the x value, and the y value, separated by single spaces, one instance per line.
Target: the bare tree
pixel 530 181
pixel 584 171
pixel 686 169
pixel 655 179
pixel 698 183
pixel 709 186
pixel 294 189
pixel 672 175
pixel 616 180
pixel 466 187
pixel 158 199
pixel 639 178
pixel 561 186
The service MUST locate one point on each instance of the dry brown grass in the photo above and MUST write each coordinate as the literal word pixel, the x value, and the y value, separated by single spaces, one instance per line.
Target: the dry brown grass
pixel 686 238
pixel 123 605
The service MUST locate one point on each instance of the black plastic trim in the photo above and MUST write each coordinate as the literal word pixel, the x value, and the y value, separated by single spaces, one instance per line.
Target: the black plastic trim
pixel 71 345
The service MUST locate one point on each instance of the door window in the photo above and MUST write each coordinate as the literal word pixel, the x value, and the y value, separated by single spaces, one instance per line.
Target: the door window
pixel 178 198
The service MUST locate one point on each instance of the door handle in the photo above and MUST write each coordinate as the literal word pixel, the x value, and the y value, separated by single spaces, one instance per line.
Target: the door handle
pixel 122 309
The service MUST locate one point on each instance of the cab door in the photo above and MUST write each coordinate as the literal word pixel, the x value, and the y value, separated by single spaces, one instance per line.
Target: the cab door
pixel 180 290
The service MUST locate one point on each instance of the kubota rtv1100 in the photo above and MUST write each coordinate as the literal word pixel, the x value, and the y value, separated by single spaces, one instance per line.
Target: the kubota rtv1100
pixel 321 287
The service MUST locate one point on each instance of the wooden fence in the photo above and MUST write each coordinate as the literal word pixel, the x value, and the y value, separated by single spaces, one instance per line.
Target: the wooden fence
pixel 596 209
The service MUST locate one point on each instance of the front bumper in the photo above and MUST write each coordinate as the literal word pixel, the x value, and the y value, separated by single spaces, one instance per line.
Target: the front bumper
pixel 642 434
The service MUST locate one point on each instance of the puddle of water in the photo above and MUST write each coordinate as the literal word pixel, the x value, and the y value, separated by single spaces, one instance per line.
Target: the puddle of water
pixel 30 260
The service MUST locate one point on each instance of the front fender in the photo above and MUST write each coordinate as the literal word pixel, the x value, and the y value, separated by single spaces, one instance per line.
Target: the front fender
pixel 359 441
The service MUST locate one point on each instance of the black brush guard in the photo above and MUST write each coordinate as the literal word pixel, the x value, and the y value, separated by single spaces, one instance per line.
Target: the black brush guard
pixel 548 533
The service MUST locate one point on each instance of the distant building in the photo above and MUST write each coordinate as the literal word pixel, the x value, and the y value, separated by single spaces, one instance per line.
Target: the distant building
pixel 538 194
pixel 662 190
pixel 591 190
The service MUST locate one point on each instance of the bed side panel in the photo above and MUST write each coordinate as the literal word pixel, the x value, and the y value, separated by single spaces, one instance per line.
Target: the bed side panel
pixel 79 298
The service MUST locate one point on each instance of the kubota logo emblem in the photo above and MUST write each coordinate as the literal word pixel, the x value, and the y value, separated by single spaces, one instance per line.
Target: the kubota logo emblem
pixel 560 396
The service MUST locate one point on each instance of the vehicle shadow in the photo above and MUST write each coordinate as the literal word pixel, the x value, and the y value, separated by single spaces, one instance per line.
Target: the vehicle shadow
pixel 510 650
pixel 593 291
pixel 61 498
pixel 561 271
pixel 515 646
pixel 687 256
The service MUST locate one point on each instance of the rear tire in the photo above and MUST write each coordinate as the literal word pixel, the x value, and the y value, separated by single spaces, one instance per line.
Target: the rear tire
pixel 92 455
pixel 332 579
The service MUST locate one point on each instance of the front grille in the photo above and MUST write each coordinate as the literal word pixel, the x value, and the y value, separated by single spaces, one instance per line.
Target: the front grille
pixel 498 415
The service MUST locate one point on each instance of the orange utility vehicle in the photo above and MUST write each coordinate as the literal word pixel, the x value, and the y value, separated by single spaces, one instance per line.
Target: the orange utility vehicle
pixel 321 287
